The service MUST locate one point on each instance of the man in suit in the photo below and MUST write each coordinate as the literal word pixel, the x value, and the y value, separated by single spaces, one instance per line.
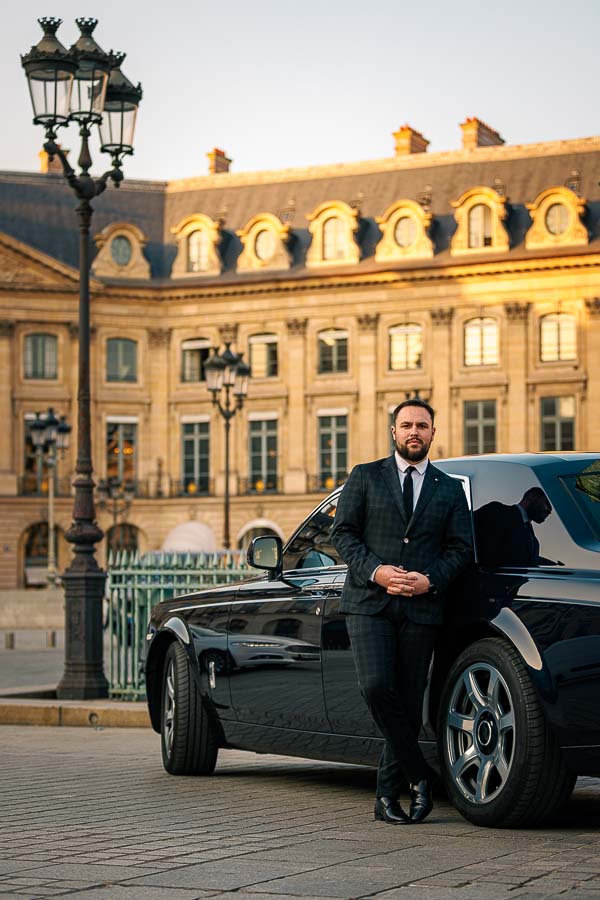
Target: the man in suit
pixel 505 535
pixel 403 527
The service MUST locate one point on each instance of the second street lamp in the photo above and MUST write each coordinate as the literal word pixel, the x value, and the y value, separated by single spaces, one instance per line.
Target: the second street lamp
pixel 49 435
pixel 227 378
pixel 75 86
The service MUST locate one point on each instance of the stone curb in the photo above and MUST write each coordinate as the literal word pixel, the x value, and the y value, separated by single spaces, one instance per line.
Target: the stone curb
pixel 94 713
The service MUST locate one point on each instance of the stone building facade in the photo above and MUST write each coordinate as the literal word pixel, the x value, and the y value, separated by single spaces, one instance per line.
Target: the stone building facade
pixel 470 278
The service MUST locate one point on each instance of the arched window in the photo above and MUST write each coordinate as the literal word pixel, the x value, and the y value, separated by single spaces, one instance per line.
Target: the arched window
pixel 334 239
pixel 197 259
pixel 40 356
pixel 121 359
pixel 480 226
pixel 122 536
pixel 406 347
pixel 558 337
pixel 481 342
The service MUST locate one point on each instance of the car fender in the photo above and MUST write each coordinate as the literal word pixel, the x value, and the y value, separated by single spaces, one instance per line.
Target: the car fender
pixel 508 624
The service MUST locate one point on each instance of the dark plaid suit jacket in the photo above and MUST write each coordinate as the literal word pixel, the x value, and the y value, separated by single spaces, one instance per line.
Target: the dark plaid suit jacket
pixel 370 529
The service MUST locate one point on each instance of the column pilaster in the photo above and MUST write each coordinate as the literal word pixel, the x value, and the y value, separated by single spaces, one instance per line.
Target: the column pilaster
pixel 294 466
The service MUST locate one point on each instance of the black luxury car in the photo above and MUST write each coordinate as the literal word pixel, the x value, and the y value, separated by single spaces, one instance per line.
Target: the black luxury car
pixel 512 709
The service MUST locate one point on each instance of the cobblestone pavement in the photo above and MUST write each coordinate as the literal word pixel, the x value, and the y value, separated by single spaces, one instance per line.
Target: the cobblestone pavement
pixel 91 813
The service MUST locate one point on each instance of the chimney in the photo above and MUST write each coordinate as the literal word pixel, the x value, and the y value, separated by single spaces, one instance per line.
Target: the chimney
pixel 476 133
pixel 50 168
pixel 217 162
pixel 409 141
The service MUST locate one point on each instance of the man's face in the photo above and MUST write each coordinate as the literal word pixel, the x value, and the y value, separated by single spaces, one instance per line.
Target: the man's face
pixel 540 510
pixel 413 433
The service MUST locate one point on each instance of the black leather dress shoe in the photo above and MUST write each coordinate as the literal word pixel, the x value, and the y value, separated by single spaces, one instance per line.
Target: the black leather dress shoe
pixel 389 810
pixel 421 801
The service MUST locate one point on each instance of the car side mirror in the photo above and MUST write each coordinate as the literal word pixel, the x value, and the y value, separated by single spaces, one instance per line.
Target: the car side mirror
pixel 266 552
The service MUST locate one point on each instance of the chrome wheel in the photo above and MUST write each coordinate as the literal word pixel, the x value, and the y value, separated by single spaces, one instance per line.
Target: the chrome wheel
pixel 480 733
pixel 169 708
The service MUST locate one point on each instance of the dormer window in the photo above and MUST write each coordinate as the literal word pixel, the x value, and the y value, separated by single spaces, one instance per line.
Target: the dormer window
pixel 333 227
pixel 334 239
pixel 480 216
pixel 198 238
pixel 121 252
pixel 405 228
pixel 557 219
pixel 265 241
pixel 480 226
pixel 197 257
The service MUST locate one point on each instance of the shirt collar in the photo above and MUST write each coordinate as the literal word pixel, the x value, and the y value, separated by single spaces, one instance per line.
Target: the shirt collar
pixel 526 518
pixel 403 464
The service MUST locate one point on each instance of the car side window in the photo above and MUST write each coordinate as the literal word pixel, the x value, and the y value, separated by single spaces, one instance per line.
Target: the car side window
pixel 515 523
pixel 311 546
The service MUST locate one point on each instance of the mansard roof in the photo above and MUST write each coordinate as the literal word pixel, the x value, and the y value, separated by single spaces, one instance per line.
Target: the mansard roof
pixel 38 209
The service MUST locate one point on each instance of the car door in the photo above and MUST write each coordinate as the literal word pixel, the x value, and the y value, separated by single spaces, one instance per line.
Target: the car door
pixel 275 645
pixel 275 633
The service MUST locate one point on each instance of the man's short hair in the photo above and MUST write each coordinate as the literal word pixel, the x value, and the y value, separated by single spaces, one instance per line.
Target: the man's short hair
pixel 422 404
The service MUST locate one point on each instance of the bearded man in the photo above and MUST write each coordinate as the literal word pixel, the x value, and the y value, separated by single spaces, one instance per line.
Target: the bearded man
pixel 403 527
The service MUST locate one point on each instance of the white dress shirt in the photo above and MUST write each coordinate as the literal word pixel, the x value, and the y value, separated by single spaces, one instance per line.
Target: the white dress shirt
pixel 418 476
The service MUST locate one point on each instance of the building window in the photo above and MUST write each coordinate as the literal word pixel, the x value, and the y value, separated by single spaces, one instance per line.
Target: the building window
pixel 121 452
pixel 333 450
pixel 481 342
pixel 480 226
pixel 405 232
pixel 195 440
pixel 558 337
pixel 334 238
pixel 480 426
pixel 333 351
pixel 263 455
pixel 558 423
pixel 193 357
pixel 41 356
pixel 263 355
pixel 197 256
pixel 121 360
pixel 406 347
pixel 557 219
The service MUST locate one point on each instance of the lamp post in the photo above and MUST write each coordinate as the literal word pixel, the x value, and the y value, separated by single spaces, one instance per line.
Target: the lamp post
pixel 227 380
pixel 116 495
pixel 50 435
pixel 83 85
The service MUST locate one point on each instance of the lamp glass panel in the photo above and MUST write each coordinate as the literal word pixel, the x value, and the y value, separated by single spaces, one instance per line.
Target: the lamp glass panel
pixel 50 95
pixel 87 103
pixel 117 127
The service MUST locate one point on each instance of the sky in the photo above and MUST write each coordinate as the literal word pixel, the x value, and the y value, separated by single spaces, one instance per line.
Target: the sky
pixel 278 84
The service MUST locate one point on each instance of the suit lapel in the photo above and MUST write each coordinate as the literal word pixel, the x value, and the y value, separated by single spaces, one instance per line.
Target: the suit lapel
pixel 389 472
pixel 430 484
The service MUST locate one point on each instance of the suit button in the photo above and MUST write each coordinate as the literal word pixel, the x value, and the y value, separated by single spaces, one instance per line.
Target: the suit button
pixel 407 540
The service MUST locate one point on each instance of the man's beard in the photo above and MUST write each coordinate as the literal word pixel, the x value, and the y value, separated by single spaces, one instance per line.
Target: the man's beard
pixel 413 454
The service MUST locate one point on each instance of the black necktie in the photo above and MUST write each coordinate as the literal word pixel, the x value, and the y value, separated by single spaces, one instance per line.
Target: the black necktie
pixel 408 493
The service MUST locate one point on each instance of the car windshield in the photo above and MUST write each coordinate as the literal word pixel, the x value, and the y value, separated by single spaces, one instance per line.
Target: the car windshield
pixel 584 488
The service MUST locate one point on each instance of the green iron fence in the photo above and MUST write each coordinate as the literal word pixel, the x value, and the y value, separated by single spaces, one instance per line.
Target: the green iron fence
pixel 135 584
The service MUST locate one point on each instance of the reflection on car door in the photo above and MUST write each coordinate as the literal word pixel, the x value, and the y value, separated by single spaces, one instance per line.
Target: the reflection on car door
pixel 346 710
pixel 275 644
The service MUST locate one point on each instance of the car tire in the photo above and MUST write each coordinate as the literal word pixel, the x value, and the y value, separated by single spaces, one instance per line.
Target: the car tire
pixel 187 735
pixel 501 765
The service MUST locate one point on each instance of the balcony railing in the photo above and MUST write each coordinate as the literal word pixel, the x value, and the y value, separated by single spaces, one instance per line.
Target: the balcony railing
pixel 325 482
pixel 203 487
pixel 31 486
pixel 260 486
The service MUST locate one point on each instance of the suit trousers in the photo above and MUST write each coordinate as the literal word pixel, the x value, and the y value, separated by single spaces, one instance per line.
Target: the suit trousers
pixel 392 656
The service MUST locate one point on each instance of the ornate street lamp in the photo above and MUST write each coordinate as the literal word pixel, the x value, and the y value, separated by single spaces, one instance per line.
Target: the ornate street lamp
pixel 83 85
pixel 227 377
pixel 49 435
